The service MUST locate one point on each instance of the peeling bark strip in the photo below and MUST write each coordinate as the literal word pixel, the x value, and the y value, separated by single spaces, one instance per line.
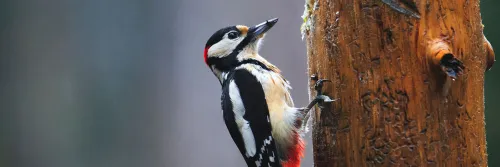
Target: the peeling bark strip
pixel 393 76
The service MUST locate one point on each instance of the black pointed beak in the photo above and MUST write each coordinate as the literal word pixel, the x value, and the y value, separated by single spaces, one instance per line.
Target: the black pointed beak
pixel 260 29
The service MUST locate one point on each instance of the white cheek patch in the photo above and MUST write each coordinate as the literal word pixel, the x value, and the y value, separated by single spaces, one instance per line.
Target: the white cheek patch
pixel 223 47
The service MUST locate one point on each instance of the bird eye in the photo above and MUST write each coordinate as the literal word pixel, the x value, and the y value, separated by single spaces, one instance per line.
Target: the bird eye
pixel 232 35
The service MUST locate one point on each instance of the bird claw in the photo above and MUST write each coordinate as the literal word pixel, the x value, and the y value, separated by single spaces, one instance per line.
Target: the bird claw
pixel 452 66
pixel 318 86
pixel 325 99
pixel 320 99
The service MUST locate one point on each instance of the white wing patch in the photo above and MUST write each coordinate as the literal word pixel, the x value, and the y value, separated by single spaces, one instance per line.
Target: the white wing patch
pixel 248 138
pixel 243 125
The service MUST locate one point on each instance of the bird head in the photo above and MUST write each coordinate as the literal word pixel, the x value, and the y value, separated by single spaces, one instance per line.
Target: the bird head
pixel 231 45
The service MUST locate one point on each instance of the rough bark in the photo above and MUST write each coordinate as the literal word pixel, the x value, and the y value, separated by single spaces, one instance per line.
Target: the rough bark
pixel 397 105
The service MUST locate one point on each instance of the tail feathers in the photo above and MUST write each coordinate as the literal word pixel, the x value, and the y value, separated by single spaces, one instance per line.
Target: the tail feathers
pixel 295 153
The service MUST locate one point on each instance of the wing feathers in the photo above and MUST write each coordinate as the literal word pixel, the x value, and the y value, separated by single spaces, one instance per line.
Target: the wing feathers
pixel 248 108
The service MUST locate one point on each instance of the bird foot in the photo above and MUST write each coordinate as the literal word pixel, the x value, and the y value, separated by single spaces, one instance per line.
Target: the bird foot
pixel 320 99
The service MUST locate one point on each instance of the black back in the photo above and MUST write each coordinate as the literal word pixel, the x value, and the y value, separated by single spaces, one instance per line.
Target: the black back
pixel 256 113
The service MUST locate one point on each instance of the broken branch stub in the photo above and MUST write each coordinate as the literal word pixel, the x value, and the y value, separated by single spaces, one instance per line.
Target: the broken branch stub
pixel 442 57
pixel 490 54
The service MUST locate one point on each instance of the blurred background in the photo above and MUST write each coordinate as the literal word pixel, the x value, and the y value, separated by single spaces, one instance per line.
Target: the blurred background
pixel 122 83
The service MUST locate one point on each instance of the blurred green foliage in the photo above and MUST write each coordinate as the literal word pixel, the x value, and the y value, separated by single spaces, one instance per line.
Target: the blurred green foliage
pixel 490 14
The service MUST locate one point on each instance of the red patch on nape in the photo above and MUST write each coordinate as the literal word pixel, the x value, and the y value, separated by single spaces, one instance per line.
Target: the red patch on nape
pixel 205 55
pixel 295 153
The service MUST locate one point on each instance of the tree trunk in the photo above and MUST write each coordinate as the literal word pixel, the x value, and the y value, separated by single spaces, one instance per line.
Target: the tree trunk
pixel 393 67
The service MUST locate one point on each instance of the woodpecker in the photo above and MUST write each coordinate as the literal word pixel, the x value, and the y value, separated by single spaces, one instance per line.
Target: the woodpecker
pixel 256 104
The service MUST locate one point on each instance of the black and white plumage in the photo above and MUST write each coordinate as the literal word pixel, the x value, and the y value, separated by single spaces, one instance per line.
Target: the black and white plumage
pixel 243 111
pixel 257 107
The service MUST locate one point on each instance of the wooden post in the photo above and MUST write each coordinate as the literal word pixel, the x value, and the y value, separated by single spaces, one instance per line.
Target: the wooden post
pixel 404 98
